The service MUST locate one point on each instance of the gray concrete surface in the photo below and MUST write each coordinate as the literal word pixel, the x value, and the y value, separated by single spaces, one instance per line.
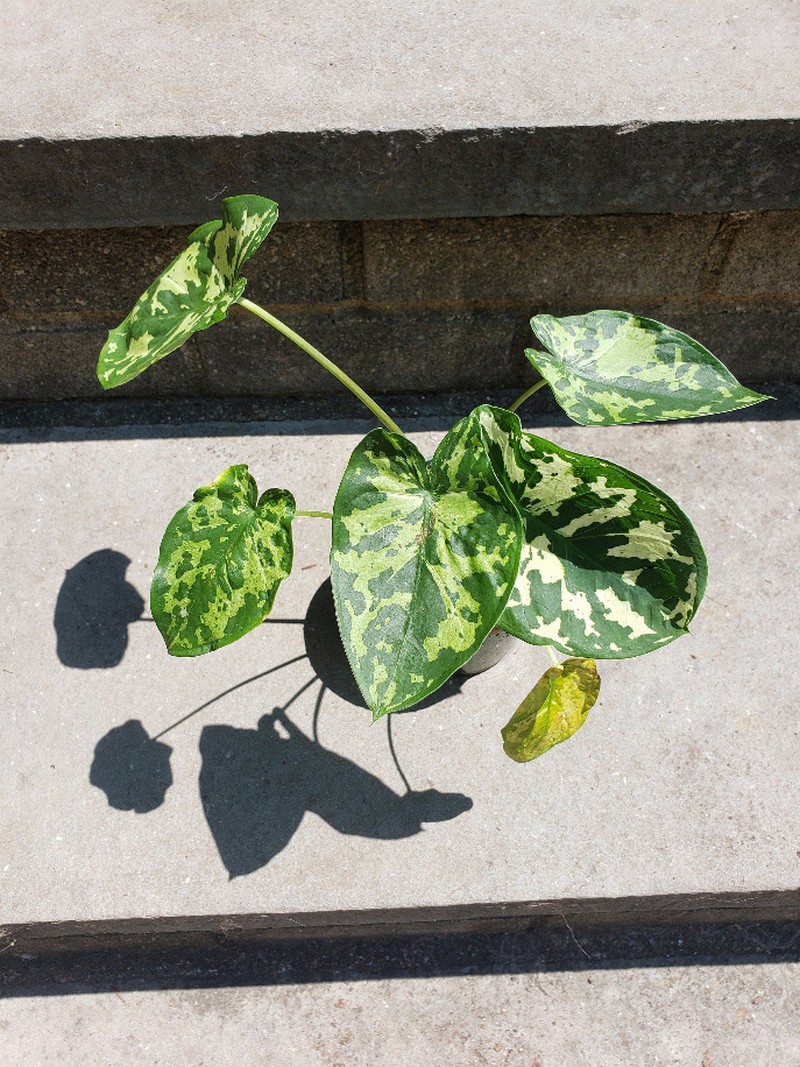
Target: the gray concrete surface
pixel 148 69
pixel 683 781
pixel 672 1017
pixel 141 113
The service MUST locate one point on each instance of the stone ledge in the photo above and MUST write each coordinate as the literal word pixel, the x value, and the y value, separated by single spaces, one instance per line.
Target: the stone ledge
pixel 664 912
pixel 733 165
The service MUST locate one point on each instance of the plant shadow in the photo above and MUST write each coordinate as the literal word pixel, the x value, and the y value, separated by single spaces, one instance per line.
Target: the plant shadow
pixel 257 784
pixel 131 768
pixel 94 608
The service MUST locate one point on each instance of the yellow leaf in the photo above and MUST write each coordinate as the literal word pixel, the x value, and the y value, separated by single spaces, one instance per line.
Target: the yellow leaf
pixel 555 708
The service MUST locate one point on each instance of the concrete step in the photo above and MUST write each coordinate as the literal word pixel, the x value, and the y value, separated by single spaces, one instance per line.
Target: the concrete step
pixel 436 189
pixel 711 1014
pixel 573 109
pixel 680 785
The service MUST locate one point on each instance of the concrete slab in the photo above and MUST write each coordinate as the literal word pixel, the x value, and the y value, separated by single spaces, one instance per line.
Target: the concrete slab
pixel 714 1016
pixel 683 781
pixel 407 110
pixel 131 70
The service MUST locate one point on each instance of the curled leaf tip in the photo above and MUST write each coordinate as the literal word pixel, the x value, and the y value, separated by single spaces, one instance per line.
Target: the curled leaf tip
pixel 195 291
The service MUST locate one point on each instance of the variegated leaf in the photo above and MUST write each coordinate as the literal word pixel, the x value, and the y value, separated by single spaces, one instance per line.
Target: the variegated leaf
pixel 424 557
pixel 610 367
pixel 222 558
pixel 555 708
pixel 611 567
pixel 195 291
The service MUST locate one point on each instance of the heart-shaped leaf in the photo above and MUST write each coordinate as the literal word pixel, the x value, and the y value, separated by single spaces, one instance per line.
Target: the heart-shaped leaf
pixel 555 708
pixel 194 292
pixel 222 558
pixel 424 557
pixel 611 567
pixel 610 367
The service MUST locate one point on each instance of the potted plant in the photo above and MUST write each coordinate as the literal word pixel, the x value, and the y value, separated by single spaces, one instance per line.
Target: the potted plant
pixel 500 528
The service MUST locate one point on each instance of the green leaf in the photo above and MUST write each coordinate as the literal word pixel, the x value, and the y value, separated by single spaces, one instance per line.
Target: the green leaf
pixel 610 367
pixel 193 293
pixel 222 558
pixel 611 567
pixel 424 557
pixel 555 708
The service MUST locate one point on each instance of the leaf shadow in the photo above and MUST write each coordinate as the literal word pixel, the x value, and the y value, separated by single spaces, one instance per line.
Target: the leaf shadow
pixel 257 784
pixel 131 768
pixel 94 608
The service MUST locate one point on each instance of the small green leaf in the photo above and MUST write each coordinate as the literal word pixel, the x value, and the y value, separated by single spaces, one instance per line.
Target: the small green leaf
pixel 610 367
pixel 610 566
pixel 424 557
pixel 555 708
pixel 222 558
pixel 195 291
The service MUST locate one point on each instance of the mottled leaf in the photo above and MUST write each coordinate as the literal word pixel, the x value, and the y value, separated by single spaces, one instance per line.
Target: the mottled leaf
pixel 555 708
pixel 222 558
pixel 194 292
pixel 611 567
pixel 610 367
pixel 424 557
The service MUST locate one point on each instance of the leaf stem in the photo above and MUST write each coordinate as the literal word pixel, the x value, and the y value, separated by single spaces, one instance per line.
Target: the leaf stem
pixel 528 392
pixel 553 656
pixel 315 514
pixel 323 361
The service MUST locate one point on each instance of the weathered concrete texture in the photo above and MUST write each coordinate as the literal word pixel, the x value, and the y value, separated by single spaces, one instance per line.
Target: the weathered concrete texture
pixel 682 781
pixel 417 65
pixel 412 110
pixel 97 273
pixel 406 174
pixel 536 259
pixel 431 352
pixel 60 363
pixel 406 305
pixel 384 351
pixel 763 257
pixel 710 1016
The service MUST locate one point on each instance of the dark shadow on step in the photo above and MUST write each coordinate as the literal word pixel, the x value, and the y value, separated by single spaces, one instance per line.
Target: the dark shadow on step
pixel 94 608
pixel 256 785
pixel 131 768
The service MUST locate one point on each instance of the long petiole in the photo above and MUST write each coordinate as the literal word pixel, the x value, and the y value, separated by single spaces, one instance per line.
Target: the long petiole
pixel 323 361
pixel 315 514
pixel 528 392
pixel 553 656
